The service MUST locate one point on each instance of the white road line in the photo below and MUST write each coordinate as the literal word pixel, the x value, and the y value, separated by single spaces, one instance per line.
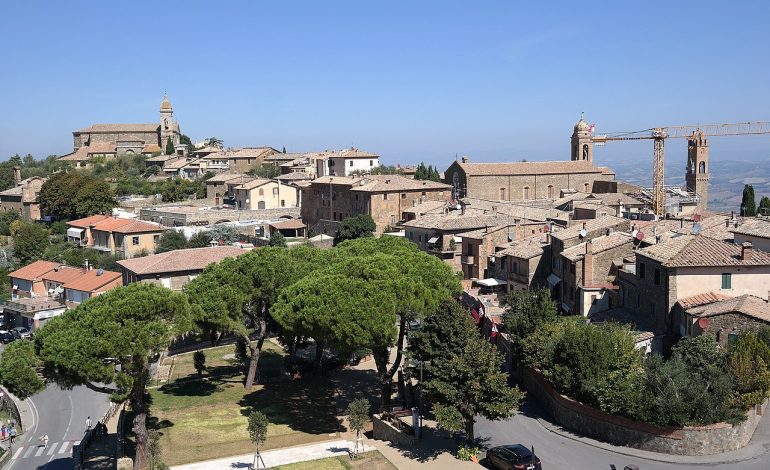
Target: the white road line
pixel 64 446
pixel 18 451
pixel 52 449
pixel 77 443
pixel 40 451
pixel 29 451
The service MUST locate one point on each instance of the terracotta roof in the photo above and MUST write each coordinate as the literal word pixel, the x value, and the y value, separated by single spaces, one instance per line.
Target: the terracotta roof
pixel 223 178
pixel 81 154
pixel 528 168
pixel 455 222
pixel 604 222
pixel 101 147
pixel 175 163
pixel 516 209
pixel 191 259
pixel 34 270
pixel 426 207
pixel 158 159
pixel 289 224
pixel 525 249
pixel 745 304
pixel 754 227
pixel 138 226
pixel 88 221
pixel 480 233
pixel 247 152
pixel 697 250
pixel 92 281
pixel 294 176
pixel 151 148
pixel 386 183
pixel 107 223
pixel 254 183
pixel 106 128
pixel 63 274
pixel 600 244
pixel 701 299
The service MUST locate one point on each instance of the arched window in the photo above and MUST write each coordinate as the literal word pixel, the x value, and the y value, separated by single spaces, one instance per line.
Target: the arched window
pixel 550 191
pixel 502 194
pixel 585 151
pixel 585 187
pixel 261 204
pixel 261 192
pixel 702 167
pixel 526 192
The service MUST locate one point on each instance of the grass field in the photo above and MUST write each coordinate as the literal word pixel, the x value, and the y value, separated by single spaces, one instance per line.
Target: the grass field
pixel 370 461
pixel 201 420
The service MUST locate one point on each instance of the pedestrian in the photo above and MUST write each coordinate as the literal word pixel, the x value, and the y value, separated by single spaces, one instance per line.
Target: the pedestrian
pixel 13 435
pixel 44 438
pixel 3 431
pixel 88 424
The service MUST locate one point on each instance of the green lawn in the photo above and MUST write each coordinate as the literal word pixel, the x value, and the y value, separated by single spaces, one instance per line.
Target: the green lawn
pixel 370 461
pixel 202 420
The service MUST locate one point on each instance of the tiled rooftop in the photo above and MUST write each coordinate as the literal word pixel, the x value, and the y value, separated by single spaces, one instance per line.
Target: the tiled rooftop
pixel 529 168
pixel 745 304
pixel 698 250
pixel 93 280
pixel 754 227
pixel 599 245
pixel 701 299
pixel 34 270
pixel 605 222
pixel 191 259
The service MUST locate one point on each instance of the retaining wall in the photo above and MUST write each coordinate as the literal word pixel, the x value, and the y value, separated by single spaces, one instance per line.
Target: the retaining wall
pixel 385 431
pixel 589 421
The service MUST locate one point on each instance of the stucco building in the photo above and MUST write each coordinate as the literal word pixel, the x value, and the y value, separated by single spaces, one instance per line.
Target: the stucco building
pixel 754 231
pixel 22 198
pixel 345 162
pixel 123 237
pixel 260 193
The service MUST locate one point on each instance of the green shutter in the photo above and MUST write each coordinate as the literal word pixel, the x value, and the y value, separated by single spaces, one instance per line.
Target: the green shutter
pixel 727 281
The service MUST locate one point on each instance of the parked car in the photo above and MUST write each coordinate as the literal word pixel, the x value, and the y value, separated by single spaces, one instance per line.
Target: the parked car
pixel 6 337
pixel 512 457
pixel 20 332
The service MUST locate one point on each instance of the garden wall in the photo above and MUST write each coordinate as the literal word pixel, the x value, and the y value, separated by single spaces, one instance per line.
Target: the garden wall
pixel 589 421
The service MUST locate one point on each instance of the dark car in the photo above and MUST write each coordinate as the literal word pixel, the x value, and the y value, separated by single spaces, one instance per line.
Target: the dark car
pixel 20 332
pixel 512 457
pixel 6 337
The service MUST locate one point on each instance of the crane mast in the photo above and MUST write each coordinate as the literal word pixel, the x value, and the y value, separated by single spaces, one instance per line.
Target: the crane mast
pixel 659 134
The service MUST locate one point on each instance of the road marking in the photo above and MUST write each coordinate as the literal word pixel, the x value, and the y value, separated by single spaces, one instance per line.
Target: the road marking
pixel 39 451
pixel 77 443
pixel 29 451
pixel 53 448
pixel 16 455
pixel 64 446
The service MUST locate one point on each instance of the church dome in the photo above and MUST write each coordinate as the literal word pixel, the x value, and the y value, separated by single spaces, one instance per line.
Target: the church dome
pixel 581 125
pixel 165 104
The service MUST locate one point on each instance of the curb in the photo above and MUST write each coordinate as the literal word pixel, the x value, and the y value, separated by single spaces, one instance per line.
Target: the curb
pixel 24 411
pixel 629 451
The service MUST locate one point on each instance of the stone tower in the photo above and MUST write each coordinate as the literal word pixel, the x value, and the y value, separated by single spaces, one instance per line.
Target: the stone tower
pixel 167 123
pixel 697 176
pixel 582 145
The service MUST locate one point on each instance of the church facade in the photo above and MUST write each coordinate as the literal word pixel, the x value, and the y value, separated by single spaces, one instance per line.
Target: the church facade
pixel 105 140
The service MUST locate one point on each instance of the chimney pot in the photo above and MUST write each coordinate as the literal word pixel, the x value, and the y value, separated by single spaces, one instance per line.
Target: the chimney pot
pixel 746 249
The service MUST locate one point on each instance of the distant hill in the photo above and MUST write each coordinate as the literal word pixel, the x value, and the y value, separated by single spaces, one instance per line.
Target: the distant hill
pixel 726 184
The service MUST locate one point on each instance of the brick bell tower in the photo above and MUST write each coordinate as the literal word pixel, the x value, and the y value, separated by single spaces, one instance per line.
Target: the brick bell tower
pixel 697 176
pixel 582 145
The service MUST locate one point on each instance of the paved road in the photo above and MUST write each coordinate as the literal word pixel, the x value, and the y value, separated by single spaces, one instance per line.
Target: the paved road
pixel 62 415
pixel 563 453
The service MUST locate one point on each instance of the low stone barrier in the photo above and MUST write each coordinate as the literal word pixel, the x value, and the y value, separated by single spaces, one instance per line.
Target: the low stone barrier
pixel 384 431
pixel 589 421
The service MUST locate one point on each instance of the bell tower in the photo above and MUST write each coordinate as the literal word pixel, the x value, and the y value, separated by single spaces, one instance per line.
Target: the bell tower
pixel 167 123
pixel 582 145
pixel 697 176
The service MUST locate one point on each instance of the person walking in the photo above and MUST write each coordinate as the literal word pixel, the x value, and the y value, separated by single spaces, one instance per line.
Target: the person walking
pixel 13 435
pixel 3 431
pixel 88 424
pixel 44 438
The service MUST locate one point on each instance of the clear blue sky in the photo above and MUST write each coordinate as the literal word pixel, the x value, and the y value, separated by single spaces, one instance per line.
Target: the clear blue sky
pixel 411 80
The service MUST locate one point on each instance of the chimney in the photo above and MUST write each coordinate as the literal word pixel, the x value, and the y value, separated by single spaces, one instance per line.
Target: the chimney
pixel 588 264
pixel 746 249
pixel 727 223
pixel 17 174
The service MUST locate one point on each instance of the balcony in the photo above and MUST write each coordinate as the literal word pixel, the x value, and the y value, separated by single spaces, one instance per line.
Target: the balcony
pixel 217 165
pixel 468 259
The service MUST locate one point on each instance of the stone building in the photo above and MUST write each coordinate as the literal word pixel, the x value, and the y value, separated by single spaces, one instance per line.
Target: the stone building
pixel 174 269
pixel 383 197
pixel 523 264
pixel 697 173
pixel 727 319
pixel 754 231
pixel 685 266
pixel 237 160
pixel 522 181
pixel 22 198
pixel 113 139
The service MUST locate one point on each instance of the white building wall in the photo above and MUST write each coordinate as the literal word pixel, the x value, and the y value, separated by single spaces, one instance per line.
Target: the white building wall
pixel 754 280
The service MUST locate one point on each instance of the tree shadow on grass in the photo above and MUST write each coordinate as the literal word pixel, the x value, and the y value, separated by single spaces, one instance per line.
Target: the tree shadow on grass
pixel 192 386
pixel 304 405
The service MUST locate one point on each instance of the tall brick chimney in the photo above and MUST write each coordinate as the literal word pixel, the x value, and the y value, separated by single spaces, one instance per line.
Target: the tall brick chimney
pixel 746 249
pixel 588 264
pixel 17 174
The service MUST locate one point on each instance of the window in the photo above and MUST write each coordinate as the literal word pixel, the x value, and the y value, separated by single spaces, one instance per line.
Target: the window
pixel 331 162
pixel 134 241
pixel 641 270
pixel 550 191
pixel 261 192
pixel 155 239
pixel 702 167
pixel 502 194
pixel 371 162
pixel 351 163
pixel 392 220
pixel 283 203
pixel 727 281
pixel 261 205
pixel 526 192
pixel 657 276
pixel 385 197
pixel 275 191
pixel 585 187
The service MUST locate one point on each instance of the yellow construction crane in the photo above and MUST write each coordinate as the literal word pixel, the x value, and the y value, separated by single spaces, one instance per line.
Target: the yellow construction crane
pixel 659 134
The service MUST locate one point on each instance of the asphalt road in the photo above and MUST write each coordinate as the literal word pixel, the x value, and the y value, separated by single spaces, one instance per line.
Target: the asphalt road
pixel 562 453
pixel 62 415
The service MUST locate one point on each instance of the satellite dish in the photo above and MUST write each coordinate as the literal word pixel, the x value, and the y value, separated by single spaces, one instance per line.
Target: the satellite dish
pixel 696 217
pixel 695 229
pixel 633 234
pixel 583 233
pixel 640 235
pixel 703 323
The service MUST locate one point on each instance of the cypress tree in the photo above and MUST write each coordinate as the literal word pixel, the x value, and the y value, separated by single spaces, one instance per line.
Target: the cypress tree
pixel 749 203
pixel 169 147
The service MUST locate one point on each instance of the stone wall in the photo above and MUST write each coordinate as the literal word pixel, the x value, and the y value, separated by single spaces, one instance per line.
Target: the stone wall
pixel 588 421
pixel 385 431
pixel 525 187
